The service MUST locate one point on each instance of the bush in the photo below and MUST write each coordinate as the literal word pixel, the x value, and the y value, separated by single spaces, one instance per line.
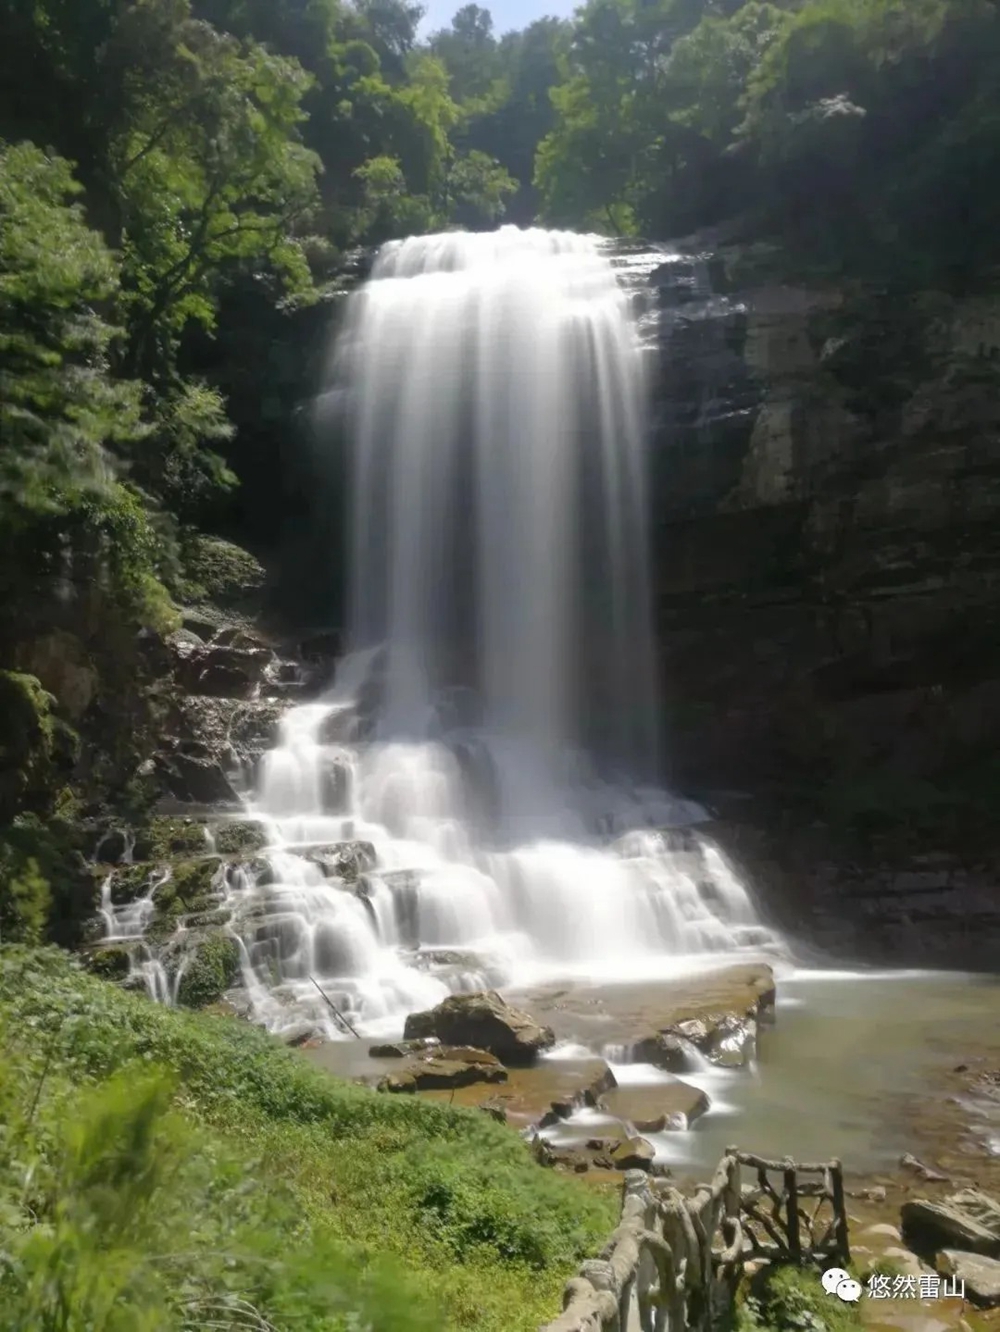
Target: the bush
pixel 451 1196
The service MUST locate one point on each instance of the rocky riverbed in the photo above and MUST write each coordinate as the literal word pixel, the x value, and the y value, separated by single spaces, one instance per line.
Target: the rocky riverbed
pixel 913 1133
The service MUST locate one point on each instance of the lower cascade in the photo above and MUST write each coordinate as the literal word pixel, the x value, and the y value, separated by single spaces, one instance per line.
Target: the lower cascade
pixel 473 803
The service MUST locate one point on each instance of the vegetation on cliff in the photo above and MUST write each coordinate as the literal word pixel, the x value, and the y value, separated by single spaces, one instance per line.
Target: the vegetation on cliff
pixel 181 180
pixel 159 1169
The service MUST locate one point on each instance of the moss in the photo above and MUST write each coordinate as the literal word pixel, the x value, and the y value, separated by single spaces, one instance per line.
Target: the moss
pixel 239 838
pixel 34 744
pixel 129 882
pixel 188 891
pixel 53 848
pixel 163 838
pixel 110 964
pixel 209 971
pixel 220 572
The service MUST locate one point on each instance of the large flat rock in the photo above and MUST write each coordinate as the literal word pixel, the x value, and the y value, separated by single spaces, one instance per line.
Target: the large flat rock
pixel 979 1275
pixel 653 1109
pixel 968 1221
pixel 620 1014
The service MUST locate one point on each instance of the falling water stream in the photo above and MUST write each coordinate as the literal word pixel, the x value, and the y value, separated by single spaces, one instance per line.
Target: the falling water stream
pixel 488 748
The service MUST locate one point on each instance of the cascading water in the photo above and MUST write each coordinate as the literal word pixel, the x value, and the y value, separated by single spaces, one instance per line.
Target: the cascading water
pixel 462 810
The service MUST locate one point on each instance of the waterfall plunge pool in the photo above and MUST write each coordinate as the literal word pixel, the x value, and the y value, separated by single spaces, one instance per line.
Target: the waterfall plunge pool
pixel 852 1063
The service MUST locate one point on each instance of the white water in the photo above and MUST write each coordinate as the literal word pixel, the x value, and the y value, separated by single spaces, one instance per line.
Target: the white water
pixel 494 728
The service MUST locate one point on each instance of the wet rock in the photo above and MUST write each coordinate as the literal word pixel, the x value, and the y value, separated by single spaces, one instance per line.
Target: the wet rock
pixel 194 778
pixel 129 882
pixel 192 887
pixel 665 1050
pixel 303 1038
pixel 968 1221
pixel 244 640
pixel 495 1108
pixel 113 847
pixel 210 969
pixel 632 1154
pixel 925 1172
pixel 979 1275
pixel 224 672
pixel 344 860
pixel 183 643
pixel 164 837
pixel 426 959
pixel 239 837
pixel 401 1049
pixel 590 1095
pixel 231 729
pixel 663 1107
pixel 444 1068
pixel 564 1158
pixel 485 1021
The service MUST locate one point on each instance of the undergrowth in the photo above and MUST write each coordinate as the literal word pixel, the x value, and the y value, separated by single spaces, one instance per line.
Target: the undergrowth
pixel 157 1165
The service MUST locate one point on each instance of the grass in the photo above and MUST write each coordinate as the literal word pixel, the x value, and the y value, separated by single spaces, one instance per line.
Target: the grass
pixel 152 1157
pixel 792 1299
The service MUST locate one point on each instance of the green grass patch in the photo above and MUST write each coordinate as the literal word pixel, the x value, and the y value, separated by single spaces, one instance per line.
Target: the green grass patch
pixel 792 1299
pixel 331 1178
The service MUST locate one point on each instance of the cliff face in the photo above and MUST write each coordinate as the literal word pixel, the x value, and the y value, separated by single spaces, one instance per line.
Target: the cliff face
pixel 827 496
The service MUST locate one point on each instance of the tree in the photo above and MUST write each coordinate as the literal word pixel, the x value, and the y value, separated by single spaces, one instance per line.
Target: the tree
pixel 60 406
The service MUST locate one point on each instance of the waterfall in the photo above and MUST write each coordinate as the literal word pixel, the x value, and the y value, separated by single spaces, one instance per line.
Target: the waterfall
pixel 474 802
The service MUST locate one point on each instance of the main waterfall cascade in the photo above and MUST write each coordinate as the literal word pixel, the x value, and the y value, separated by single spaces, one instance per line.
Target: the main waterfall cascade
pixel 487 750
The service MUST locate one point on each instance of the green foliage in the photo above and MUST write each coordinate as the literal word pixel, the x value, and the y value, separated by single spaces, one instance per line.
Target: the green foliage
pixel 220 572
pixel 122 1215
pixel 60 408
pixel 792 1299
pixel 163 838
pixel 25 902
pixel 452 1199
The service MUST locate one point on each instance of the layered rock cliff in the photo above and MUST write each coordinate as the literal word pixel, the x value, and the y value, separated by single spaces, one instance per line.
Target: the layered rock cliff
pixel 827 490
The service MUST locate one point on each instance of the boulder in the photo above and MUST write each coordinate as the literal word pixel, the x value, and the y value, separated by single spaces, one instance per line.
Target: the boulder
pixel 495 1108
pixel 980 1276
pixel 194 777
pixel 485 1021
pixel 663 1107
pixel 344 860
pixel 208 971
pixel 401 1049
pixel 445 1067
pixel 632 1154
pixel 589 1094
pixel 968 1221
pixel 182 644
pixel 239 837
pixel 224 672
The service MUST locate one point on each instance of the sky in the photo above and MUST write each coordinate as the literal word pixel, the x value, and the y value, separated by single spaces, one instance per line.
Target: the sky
pixel 508 15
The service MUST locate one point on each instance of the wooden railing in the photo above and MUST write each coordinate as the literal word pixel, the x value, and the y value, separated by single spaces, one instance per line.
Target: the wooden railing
pixel 673 1262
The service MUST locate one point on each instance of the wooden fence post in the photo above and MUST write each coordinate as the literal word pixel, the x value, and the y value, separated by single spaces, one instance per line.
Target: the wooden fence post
pixel 792 1211
pixel 840 1211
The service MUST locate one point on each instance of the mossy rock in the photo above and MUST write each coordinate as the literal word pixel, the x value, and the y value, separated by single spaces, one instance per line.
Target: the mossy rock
pixel 163 838
pixel 34 743
pixel 211 968
pixel 189 891
pixel 241 837
pixel 222 573
pixel 111 964
pixel 129 882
